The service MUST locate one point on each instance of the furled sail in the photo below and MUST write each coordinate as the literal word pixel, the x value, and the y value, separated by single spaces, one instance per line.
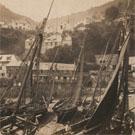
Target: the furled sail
pixel 102 112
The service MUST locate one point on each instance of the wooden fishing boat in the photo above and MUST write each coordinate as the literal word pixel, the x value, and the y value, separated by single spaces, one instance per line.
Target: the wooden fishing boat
pixel 111 115
pixel 65 113
pixel 67 108
pixel 22 114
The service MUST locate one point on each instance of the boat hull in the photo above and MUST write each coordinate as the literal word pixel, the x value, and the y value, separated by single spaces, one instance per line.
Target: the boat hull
pixel 65 115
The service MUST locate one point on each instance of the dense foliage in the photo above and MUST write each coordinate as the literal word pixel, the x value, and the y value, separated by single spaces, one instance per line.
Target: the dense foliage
pixel 112 13
pixel 97 36
pixel 13 41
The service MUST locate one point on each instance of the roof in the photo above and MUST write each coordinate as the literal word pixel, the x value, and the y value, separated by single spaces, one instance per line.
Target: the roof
pixel 14 64
pixel 46 66
pixel 132 60
pixel 57 66
pixel 8 58
pixel 107 55
pixel 54 37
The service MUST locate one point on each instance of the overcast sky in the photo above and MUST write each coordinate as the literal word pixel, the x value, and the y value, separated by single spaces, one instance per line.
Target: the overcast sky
pixel 37 9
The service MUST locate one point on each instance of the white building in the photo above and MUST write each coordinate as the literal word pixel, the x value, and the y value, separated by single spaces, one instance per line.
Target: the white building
pixel 132 65
pixel 54 29
pixel 10 65
pixel 56 40
pixel 48 43
pixel 62 72
pixel 17 25
pixel 28 43
pixel 51 41
pixel 1 24
pixel 4 25
pixel 132 62
pixel 46 66
pixel 21 26
pixel 5 61
pixel 67 40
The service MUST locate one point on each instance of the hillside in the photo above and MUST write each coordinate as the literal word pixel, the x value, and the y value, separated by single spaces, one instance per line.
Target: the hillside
pixel 14 41
pixel 8 16
pixel 74 18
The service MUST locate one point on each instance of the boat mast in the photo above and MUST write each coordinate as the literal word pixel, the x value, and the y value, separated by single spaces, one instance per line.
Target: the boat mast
pixel 79 84
pixel 37 49
pixel 130 29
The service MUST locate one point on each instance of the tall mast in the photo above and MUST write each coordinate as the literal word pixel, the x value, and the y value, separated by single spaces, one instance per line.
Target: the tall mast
pixel 36 52
pixel 79 84
pixel 126 60
pixel 130 27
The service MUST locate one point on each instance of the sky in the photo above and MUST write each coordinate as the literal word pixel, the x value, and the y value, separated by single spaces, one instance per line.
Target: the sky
pixel 37 9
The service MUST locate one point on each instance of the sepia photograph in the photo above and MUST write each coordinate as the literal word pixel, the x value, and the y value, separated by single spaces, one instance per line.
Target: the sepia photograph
pixel 67 67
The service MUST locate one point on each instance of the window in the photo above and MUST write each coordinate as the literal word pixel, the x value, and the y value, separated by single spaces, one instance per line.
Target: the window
pixel 41 71
pixel 100 61
pixel 59 77
pixel 0 68
pixel 45 77
pixel 65 78
pixel 2 74
pixel 9 58
pixel 9 74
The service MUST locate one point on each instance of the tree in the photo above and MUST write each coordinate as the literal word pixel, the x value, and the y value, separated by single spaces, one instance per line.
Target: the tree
pixel 12 41
pixel 111 13
pixel 64 54
pixel 96 40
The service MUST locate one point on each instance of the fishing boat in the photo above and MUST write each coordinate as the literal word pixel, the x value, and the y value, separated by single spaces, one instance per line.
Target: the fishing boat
pixel 30 103
pixel 67 108
pixel 111 115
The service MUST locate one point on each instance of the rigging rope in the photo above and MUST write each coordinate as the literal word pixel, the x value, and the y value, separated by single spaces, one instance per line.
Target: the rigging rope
pixel 109 61
pixel 118 65
pixel 17 72
pixel 36 51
